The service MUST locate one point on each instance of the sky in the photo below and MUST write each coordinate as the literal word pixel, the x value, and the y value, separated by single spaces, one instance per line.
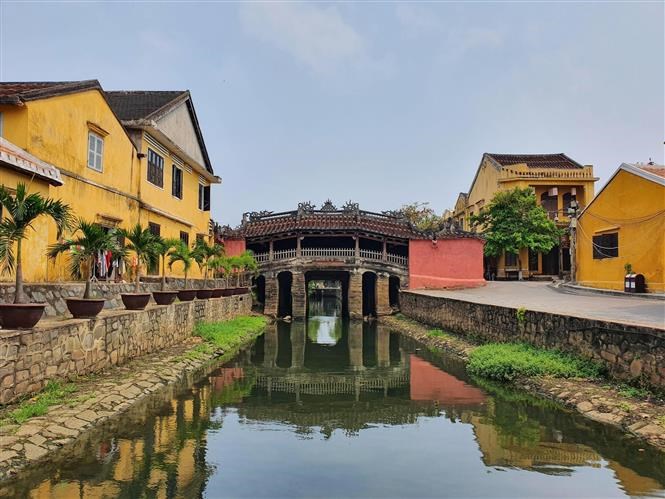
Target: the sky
pixel 382 103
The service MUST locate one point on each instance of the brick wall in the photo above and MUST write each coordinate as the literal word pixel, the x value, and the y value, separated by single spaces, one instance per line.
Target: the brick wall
pixel 628 351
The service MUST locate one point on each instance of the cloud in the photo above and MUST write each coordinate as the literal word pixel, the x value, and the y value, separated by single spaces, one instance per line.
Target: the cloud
pixel 317 37
pixel 416 20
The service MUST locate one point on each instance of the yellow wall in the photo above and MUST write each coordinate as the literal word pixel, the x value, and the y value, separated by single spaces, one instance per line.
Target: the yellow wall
pixel 626 199
pixel 490 180
pixel 56 130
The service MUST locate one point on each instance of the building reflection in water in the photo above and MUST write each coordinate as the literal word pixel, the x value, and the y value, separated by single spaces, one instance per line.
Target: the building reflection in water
pixel 330 375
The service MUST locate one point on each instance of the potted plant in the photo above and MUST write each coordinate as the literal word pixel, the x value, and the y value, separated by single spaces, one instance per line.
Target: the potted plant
pixel 203 253
pixel 249 266
pixel 82 249
pixel 163 246
pixel 181 253
pixel 143 243
pixel 23 209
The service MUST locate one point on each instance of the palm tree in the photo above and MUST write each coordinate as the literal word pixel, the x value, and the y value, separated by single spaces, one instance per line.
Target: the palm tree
pixel 181 253
pixel 23 209
pixel 222 263
pixel 92 239
pixel 203 253
pixel 163 246
pixel 248 262
pixel 144 244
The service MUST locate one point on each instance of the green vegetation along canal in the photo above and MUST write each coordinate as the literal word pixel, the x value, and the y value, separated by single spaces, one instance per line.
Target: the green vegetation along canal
pixel 331 408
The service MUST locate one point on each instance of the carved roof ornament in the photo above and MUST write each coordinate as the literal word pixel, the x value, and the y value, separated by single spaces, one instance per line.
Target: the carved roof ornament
pixel 305 207
pixel 393 213
pixel 351 207
pixel 257 215
pixel 328 206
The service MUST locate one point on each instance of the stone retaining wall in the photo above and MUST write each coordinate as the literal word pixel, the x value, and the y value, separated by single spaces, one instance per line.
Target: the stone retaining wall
pixel 55 294
pixel 61 349
pixel 628 351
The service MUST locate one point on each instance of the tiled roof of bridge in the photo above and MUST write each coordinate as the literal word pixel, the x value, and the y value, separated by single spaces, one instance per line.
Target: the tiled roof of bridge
pixel 268 224
pixel 560 161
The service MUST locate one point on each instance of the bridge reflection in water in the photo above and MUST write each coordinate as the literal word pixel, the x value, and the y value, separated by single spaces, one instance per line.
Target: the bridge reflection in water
pixel 372 414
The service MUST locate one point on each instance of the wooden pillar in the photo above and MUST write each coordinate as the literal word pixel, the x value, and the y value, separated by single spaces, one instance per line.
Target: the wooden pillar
pixel 272 296
pixel 298 248
pixel 384 257
pixel 270 252
pixel 357 240
pixel 299 294
pixel 355 295
pixel 382 294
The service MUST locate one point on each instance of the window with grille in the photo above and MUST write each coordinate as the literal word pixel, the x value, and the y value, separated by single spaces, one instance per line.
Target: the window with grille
pixel 184 237
pixel 606 246
pixel 95 151
pixel 155 168
pixel 176 182
pixel 155 229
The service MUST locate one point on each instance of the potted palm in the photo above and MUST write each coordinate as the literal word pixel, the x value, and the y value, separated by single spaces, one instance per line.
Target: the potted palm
pixel 143 243
pixel 216 264
pixel 23 210
pixel 163 246
pixel 249 266
pixel 182 254
pixel 203 253
pixel 82 249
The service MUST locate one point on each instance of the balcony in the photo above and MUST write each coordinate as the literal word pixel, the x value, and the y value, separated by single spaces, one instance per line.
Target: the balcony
pixel 331 254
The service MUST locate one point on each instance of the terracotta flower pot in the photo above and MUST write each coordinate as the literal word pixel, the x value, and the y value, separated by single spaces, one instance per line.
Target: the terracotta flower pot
pixel 135 301
pixel 164 297
pixel 217 293
pixel 85 308
pixel 203 294
pixel 186 294
pixel 20 316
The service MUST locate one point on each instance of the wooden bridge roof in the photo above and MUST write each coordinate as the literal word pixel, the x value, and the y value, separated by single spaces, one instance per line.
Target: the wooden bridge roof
pixel 348 219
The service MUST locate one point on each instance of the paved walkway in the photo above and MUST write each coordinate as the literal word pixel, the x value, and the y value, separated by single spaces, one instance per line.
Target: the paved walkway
pixel 540 296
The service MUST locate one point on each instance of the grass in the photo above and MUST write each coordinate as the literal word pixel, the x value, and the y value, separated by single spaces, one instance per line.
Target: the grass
pixel 438 333
pixel 507 361
pixel 231 334
pixel 633 392
pixel 199 351
pixel 54 393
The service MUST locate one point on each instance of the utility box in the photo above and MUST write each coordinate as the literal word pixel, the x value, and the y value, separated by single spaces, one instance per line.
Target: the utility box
pixel 640 284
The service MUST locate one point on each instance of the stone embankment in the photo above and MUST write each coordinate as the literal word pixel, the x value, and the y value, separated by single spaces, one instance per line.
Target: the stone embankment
pixel 62 348
pixel 596 400
pixel 100 399
pixel 55 294
pixel 629 352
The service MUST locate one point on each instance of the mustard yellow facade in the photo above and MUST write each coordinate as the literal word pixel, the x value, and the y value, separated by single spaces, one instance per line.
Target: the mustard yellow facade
pixel 56 123
pixel 556 181
pixel 625 224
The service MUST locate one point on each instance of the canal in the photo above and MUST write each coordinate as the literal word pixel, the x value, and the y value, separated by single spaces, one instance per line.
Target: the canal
pixel 332 408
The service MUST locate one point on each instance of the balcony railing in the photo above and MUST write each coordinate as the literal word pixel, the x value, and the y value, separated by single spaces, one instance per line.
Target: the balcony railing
pixel 327 253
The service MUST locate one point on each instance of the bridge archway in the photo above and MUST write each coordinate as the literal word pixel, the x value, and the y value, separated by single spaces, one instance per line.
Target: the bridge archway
pixel 393 291
pixel 369 293
pixel 341 277
pixel 285 296
pixel 260 288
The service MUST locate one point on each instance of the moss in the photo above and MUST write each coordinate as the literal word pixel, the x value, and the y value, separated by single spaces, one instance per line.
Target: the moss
pixel 438 333
pixel 507 361
pixel 231 334
pixel 54 393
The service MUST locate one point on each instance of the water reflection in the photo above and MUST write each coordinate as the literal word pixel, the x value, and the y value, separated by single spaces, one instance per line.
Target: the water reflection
pixel 368 414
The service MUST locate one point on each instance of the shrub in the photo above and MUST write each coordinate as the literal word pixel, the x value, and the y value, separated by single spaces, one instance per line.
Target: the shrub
pixel 507 361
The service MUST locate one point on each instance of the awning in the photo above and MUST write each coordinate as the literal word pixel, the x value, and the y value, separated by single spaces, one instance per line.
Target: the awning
pixel 21 160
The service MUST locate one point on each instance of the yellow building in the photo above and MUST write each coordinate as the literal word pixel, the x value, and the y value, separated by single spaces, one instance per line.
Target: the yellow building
pixel 624 224
pixel 109 171
pixel 556 179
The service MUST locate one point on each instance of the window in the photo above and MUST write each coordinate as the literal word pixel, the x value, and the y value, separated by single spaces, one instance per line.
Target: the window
pixel 549 204
pixel 204 197
pixel 606 246
pixel 155 168
pixel 154 229
pixel 510 259
pixel 184 237
pixel 176 182
pixel 95 151
pixel 533 261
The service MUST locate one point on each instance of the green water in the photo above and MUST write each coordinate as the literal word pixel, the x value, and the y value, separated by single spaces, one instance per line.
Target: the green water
pixel 330 408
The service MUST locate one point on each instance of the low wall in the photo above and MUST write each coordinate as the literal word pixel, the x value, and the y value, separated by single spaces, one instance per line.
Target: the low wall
pixel 29 359
pixel 628 351
pixel 55 294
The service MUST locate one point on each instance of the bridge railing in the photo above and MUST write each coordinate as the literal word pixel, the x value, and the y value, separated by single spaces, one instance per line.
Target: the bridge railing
pixel 325 253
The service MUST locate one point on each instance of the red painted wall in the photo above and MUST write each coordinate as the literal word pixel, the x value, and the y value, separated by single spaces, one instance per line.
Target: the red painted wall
pixel 450 263
pixel 234 247
pixel 429 383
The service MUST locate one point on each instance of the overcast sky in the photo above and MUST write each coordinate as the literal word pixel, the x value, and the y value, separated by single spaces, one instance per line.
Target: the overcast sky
pixel 381 103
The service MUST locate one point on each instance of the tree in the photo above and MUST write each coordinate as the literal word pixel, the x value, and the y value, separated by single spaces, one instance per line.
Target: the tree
pixel 144 244
pixel 248 262
pixel 422 216
pixel 162 247
pixel 82 249
pixel 181 253
pixel 203 253
pixel 23 209
pixel 222 263
pixel 512 221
